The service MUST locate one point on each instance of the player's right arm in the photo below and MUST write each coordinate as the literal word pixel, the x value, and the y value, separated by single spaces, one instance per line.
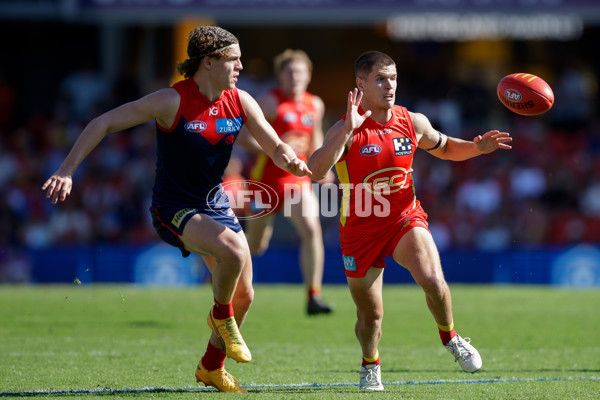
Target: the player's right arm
pixel 455 149
pixel 268 104
pixel 161 105
pixel 338 138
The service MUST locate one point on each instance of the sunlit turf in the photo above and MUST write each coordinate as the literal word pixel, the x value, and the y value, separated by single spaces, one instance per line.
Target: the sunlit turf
pixel 536 343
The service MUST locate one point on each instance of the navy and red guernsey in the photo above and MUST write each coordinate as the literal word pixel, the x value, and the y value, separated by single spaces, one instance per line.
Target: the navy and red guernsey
pixel 192 155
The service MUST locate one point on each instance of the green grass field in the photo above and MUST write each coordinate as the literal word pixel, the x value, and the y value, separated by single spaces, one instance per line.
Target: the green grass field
pixel 132 342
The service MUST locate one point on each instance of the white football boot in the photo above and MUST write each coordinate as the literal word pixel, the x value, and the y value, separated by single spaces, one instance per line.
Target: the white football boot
pixel 370 378
pixel 467 356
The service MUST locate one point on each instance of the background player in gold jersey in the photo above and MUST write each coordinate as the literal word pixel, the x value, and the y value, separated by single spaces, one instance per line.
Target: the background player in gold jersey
pixel 297 117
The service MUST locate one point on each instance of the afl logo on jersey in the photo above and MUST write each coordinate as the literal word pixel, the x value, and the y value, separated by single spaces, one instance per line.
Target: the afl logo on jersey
pixel 195 126
pixel 370 150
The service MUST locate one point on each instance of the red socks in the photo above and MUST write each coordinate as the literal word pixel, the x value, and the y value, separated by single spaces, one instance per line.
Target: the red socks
pixel 368 361
pixel 214 358
pixel 446 333
pixel 222 311
pixel 314 292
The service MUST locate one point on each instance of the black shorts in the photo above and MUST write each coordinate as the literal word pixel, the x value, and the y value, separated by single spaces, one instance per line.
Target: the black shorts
pixel 169 220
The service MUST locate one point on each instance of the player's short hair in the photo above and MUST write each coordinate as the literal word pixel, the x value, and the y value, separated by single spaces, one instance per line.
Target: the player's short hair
pixel 289 55
pixel 367 61
pixel 205 41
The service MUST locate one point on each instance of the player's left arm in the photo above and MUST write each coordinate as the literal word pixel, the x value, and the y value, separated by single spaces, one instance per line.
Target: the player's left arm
pixel 317 137
pixel 282 154
pixel 455 149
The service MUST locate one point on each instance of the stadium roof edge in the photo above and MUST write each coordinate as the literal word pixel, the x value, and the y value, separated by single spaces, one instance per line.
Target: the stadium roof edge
pixel 135 12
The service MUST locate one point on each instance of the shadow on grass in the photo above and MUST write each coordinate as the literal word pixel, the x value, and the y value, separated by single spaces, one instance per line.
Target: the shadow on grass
pixel 338 388
pixel 304 390
pixel 105 392
pixel 462 373
pixel 149 324
pixel 513 371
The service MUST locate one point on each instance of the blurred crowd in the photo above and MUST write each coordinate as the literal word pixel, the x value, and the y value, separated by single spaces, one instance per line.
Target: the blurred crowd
pixel 112 187
pixel 546 191
pixel 543 192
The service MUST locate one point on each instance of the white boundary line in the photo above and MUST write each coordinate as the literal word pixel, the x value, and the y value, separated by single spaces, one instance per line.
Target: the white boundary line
pixel 190 389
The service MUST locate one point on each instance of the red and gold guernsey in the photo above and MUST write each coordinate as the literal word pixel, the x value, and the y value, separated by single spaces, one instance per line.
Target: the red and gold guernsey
pixel 376 174
pixel 294 123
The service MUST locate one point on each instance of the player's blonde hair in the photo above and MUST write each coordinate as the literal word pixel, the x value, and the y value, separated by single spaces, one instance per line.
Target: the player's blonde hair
pixel 288 56
pixel 205 41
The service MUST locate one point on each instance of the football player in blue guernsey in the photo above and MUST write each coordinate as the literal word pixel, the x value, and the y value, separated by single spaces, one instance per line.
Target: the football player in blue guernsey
pixel 197 122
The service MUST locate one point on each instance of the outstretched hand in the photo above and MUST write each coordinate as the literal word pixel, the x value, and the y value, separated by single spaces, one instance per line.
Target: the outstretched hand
pixel 58 187
pixel 353 118
pixel 492 141
pixel 296 166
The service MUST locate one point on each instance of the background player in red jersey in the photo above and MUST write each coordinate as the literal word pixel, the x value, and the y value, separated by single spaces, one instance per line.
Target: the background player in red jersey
pixel 372 147
pixel 197 121
pixel 297 117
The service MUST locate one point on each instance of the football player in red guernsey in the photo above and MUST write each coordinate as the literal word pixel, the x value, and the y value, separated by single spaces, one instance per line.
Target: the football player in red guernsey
pixel 197 122
pixel 297 118
pixel 372 147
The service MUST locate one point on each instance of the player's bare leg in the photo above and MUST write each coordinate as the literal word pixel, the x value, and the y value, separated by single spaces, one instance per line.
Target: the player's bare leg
pixel 202 235
pixel 259 232
pixel 417 252
pixel 368 297
pixel 304 215
pixel 244 292
pixel 211 368
pixel 214 373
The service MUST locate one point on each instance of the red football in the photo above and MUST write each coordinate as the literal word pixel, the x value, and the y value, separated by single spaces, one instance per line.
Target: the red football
pixel 525 94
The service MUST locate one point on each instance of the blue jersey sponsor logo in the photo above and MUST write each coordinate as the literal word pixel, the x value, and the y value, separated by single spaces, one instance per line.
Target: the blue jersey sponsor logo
pixel 402 146
pixel 349 263
pixel 229 125
pixel 195 126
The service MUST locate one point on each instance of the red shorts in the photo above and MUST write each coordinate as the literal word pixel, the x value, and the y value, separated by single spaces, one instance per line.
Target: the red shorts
pixel 361 251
